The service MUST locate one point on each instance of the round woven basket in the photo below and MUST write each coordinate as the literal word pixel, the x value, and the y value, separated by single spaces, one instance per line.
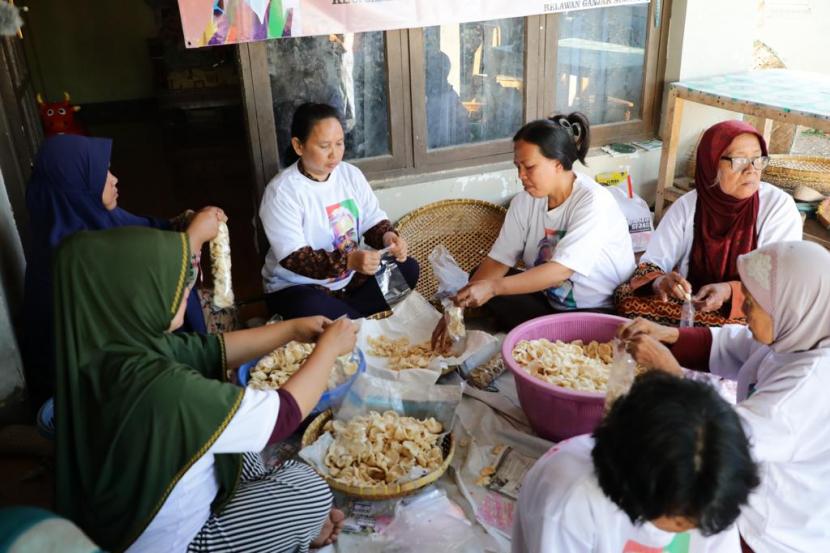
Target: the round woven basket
pixel 387 491
pixel 467 228
pixel 789 171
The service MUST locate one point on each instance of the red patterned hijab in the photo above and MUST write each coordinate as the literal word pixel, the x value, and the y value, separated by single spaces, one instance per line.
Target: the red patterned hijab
pixel 724 226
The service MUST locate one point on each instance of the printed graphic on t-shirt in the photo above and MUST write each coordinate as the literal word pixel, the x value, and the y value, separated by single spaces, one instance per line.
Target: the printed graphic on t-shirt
pixel 562 296
pixel 680 544
pixel 344 219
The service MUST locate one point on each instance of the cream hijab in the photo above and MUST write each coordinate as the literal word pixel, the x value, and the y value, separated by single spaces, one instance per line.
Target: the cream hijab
pixel 791 281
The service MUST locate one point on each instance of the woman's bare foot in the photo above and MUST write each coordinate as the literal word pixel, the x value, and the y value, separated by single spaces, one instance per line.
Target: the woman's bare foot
pixel 330 530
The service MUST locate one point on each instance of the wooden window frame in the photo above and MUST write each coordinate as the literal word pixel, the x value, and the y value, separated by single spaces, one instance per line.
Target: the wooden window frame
pixel 427 160
pixel 259 112
pixel 646 124
pixel 406 78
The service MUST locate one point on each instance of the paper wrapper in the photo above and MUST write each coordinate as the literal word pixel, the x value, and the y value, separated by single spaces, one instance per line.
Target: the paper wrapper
pixel 414 319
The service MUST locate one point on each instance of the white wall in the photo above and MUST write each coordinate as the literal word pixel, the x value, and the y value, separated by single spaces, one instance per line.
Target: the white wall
pixel 707 37
pixel 498 183
pixel 798 33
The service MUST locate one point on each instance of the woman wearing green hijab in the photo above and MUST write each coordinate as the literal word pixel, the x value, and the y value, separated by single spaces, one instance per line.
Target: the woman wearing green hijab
pixel 150 440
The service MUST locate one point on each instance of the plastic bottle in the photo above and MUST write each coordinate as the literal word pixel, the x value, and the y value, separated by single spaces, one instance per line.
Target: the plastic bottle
pixel 622 373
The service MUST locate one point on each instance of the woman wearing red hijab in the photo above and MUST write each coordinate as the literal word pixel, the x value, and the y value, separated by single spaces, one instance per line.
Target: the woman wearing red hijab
pixel 695 249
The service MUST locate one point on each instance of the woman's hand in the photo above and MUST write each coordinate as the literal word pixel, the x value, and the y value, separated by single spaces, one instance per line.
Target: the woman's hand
pixel 712 296
pixel 397 246
pixel 338 337
pixel 650 353
pixel 307 329
pixel 671 285
pixel 205 226
pixel 640 326
pixel 363 261
pixel 476 293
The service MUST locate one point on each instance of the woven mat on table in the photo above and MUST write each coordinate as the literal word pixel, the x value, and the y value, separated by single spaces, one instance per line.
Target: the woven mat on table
pixel 467 228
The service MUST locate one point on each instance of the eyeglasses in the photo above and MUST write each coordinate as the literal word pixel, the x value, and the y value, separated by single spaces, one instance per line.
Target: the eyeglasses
pixel 740 164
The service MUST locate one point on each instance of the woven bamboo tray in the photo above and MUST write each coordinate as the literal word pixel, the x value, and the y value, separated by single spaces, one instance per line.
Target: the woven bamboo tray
pixel 388 491
pixel 789 171
pixel 467 228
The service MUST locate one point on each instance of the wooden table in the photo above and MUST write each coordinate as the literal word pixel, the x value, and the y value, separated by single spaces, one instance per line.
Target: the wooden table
pixel 772 95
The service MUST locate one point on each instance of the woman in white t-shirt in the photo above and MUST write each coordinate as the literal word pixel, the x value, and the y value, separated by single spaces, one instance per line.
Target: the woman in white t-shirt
pixel 668 469
pixel 781 363
pixel 696 246
pixel 566 229
pixel 315 213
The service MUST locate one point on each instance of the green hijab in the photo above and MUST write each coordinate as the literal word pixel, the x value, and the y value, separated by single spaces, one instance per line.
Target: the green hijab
pixel 136 406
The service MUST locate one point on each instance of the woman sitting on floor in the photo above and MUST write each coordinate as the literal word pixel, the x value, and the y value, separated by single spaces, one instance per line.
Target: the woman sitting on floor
pixel 696 246
pixel 782 366
pixel 667 470
pixel 71 189
pixel 567 230
pixel 315 213
pixel 154 451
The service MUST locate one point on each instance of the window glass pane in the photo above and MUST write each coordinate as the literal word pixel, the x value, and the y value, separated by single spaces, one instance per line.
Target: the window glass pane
pixel 347 71
pixel 474 75
pixel 600 58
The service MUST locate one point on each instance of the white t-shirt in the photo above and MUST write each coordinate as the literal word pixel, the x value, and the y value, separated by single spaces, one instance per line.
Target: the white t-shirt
pixel 671 244
pixel 562 509
pixel 297 212
pixel 587 234
pixel 782 399
pixel 187 508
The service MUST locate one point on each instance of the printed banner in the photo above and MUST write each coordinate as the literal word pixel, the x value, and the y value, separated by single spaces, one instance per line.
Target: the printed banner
pixel 215 22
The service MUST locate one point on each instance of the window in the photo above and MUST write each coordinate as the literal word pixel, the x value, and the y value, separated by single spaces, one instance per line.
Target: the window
pixel 600 56
pixel 346 71
pixel 449 96
pixel 474 82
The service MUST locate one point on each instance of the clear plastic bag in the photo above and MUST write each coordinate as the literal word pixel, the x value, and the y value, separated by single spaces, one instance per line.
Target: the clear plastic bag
pixel 687 313
pixel 621 374
pixel 220 264
pixel 456 329
pixel 429 522
pixel 390 280
pixel 451 278
pixel 411 399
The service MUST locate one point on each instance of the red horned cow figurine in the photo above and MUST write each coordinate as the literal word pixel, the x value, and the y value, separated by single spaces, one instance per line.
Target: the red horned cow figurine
pixel 59 117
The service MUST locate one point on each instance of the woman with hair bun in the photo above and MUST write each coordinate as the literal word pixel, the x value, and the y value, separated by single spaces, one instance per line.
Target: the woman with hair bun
pixel 564 227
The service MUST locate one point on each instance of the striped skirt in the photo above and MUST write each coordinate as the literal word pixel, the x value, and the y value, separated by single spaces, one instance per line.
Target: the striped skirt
pixel 272 510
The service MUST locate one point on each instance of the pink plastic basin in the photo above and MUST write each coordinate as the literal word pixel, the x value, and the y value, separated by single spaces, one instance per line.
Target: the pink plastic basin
pixel 557 413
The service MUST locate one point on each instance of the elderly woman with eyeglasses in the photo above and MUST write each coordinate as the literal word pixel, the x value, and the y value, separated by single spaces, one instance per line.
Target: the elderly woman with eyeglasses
pixel 694 251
